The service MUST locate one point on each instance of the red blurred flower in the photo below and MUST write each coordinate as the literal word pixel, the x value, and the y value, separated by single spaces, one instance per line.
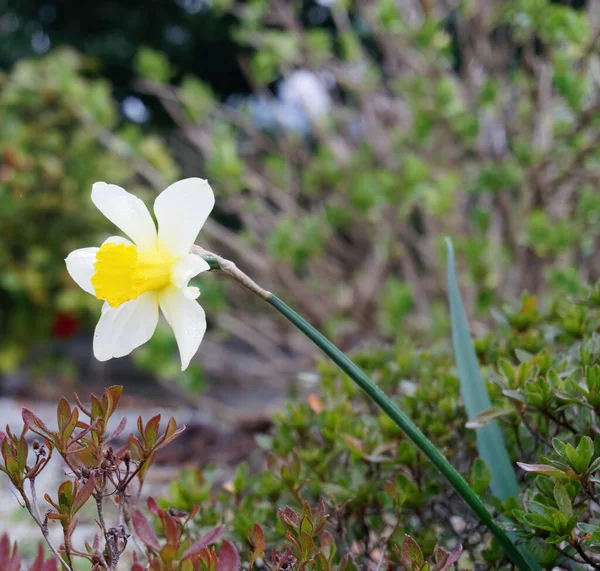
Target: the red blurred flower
pixel 65 325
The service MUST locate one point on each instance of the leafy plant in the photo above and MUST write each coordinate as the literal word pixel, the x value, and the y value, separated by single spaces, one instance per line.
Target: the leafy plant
pixel 56 140
pixel 380 127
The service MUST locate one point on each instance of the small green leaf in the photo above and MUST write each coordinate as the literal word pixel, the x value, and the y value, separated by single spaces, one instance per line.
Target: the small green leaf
pixel 485 417
pixel 563 501
pixel 480 476
pixel 585 451
pixel 412 552
pixel 559 447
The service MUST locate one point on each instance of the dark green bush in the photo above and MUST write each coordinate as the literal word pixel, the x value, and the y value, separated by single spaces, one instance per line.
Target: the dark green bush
pixel 542 365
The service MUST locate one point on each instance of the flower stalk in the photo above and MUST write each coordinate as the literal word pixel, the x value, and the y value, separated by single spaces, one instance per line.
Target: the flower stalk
pixel 218 263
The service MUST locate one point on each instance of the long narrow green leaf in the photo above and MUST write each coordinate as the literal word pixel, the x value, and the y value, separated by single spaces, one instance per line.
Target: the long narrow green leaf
pixel 490 443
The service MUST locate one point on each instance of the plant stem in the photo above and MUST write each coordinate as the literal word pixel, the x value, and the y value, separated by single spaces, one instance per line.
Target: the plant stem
pixel 34 510
pixel 407 426
pixel 380 399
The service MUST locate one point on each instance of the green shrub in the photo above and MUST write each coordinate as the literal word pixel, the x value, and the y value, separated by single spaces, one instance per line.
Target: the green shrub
pixel 55 129
pixel 384 126
pixel 542 365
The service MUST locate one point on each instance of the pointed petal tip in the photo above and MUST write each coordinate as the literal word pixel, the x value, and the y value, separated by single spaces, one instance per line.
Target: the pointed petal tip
pixel 181 210
pixel 80 266
pixel 187 319
pixel 126 211
pixel 98 187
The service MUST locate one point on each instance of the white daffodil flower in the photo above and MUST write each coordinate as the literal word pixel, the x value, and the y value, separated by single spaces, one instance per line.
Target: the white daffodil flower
pixel 153 270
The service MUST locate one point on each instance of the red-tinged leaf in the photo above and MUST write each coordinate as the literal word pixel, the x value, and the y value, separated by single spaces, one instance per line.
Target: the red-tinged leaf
pixel 54 515
pixel 97 408
pixel 5 548
pixel 412 552
pixel 164 440
pixel 51 501
pixel 228 558
pixel 137 566
pixel 36 469
pixel 291 537
pixel 452 558
pixel 328 547
pixel 40 565
pixel 289 517
pixel 171 427
pixel 256 537
pixel 171 530
pixel 10 559
pixel 33 423
pixel 81 405
pixel 87 428
pixel 63 414
pixel 315 403
pixel 327 539
pixel 83 495
pixel 111 398
pixel 96 546
pixel 153 507
pixel 203 542
pixel 72 424
pixel 146 466
pixel 541 469
pixel 136 448
pixel 144 530
pixel 117 431
pixel 353 443
pixel 151 431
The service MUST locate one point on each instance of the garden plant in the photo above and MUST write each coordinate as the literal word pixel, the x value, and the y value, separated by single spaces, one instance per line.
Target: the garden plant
pixel 452 426
pixel 558 508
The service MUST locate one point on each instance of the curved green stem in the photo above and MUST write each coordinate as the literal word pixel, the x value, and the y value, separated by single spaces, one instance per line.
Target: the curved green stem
pixel 387 406
pixel 418 438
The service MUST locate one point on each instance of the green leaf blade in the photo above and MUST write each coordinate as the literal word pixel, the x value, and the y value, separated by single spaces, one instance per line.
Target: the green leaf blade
pixel 490 442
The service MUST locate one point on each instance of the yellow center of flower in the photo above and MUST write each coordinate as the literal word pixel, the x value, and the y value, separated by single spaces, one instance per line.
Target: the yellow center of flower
pixel 122 273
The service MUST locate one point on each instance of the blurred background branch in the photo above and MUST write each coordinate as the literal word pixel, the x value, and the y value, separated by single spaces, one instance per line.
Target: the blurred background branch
pixel 343 139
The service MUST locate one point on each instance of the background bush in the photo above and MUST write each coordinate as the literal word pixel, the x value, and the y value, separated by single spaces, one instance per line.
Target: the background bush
pixel 55 142
pixel 359 134
pixel 377 128
pixel 542 367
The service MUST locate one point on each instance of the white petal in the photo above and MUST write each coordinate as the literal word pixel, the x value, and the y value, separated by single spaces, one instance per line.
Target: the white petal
pixel 80 265
pixel 186 268
pixel 117 240
pixel 122 329
pixel 181 210
pixel 125 211
pixel 187 319
pixel 191 292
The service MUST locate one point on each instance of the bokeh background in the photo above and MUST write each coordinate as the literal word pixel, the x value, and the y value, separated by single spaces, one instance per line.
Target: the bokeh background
pixel 344 140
